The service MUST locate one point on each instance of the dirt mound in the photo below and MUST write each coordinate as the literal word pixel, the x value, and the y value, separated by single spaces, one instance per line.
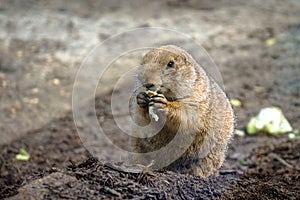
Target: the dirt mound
pixel 93 180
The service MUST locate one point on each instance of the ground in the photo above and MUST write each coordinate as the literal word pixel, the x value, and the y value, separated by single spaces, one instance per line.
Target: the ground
pixel 42 45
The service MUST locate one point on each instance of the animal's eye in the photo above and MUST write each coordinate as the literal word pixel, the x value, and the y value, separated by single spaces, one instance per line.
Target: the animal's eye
pixel 170 64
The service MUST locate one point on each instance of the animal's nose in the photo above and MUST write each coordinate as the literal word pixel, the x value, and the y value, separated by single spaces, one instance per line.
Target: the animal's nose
pixel 150 86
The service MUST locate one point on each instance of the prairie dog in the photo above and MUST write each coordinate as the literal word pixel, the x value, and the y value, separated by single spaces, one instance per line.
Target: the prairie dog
pixel 187 102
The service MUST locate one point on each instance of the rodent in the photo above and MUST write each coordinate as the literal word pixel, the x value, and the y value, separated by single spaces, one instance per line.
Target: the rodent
pixel 190 102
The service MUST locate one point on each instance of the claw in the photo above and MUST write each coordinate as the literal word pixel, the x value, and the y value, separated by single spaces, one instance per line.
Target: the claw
pixel 143 100
pixel 157 99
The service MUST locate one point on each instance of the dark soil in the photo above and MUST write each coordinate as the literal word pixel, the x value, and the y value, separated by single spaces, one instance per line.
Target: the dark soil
pixel 51 147
pixel 273 173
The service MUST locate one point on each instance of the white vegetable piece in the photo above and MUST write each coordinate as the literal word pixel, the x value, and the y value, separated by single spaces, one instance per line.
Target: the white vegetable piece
pixel 270 120
pixel 151 109
pixel 152 114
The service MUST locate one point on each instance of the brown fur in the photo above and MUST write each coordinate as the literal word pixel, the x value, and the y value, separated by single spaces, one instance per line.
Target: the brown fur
pixel 192 105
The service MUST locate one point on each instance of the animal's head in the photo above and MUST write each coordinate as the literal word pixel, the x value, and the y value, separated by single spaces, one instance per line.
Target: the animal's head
pixel 169 70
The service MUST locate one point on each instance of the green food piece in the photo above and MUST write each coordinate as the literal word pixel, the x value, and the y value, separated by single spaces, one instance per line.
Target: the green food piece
pixel 251 128
pixel 235 102
pixel 244 162
pixel 23 155
pixel 270 42
pixel 293 136
pixel 239 133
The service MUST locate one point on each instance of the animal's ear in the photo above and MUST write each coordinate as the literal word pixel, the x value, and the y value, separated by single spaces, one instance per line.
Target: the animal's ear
pixel 180 60
pixel 148 56
pixel 184 60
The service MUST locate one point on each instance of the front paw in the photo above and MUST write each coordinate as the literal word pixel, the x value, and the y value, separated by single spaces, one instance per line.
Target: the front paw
pixel 159 103
pixel 143 100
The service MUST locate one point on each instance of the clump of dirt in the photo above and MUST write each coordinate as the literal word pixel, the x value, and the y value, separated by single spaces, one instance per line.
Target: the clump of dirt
pixel 96 180
pixel 165 184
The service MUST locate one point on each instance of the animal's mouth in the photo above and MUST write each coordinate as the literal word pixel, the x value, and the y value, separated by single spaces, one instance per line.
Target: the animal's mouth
pixel 166 92
pixel 169 95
